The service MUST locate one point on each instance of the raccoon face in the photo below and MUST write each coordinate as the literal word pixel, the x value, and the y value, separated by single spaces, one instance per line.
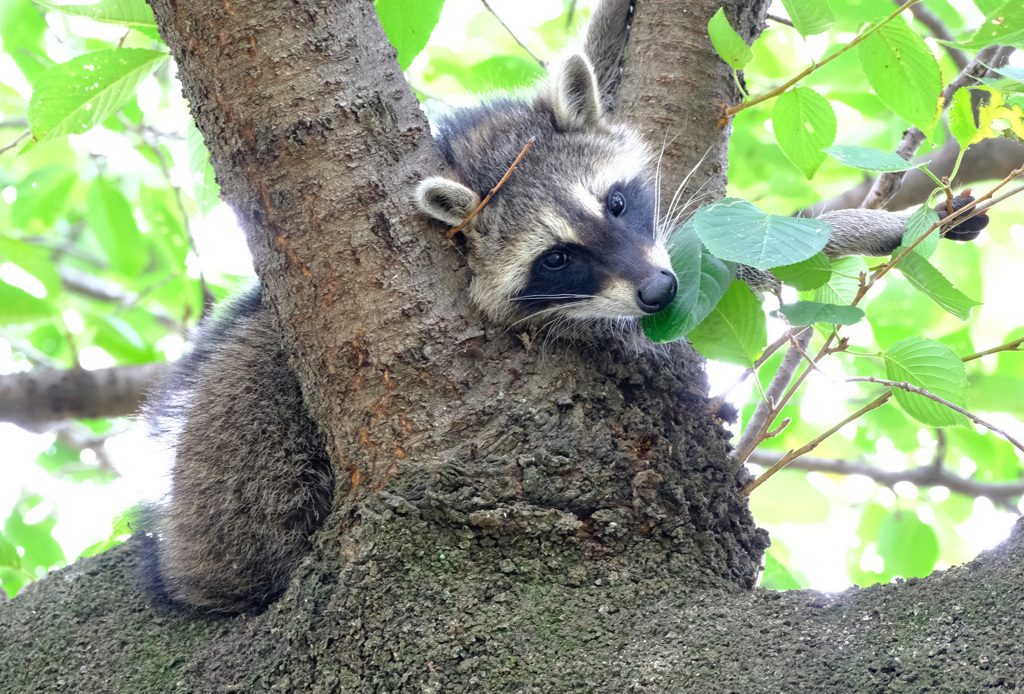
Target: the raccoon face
pixel 572 232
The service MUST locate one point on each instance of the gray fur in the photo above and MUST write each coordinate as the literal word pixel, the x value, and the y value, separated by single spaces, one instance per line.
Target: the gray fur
pixel 251 479
pixel 605 44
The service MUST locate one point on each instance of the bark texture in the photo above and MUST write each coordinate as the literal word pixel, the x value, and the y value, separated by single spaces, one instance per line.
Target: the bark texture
pixel 510 518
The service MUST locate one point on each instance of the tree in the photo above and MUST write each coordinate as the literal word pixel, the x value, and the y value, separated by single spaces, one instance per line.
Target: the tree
pixel 509 525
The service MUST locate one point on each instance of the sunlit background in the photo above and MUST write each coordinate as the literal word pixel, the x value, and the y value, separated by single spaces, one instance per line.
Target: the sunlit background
pixel 62 497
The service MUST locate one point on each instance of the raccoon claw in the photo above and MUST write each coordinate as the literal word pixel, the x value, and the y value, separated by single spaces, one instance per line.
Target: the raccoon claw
pixel 967 230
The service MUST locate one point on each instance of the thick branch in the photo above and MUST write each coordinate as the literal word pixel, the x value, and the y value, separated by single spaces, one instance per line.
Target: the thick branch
pixel 40 396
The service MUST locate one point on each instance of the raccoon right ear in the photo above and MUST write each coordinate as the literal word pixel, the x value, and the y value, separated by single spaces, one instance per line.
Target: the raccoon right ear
pixel 574 93
pixel 446 200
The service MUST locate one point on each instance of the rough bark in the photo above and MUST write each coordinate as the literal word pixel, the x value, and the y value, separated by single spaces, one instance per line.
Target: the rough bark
pixel 518 519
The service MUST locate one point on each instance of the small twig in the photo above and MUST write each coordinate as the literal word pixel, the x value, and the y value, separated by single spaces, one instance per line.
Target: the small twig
pixel 733 110
pixel 779 20
pixel 942 401
pixel 454 230
pixel 981 209
pixel 16 142
pixel 1011 346
pixel 1002 493
pixel 764 414
pixel 512 33
pixel 811 445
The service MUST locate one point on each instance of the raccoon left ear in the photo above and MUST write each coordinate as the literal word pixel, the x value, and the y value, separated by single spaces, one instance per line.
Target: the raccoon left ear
pixel 574 94
pixel 446 200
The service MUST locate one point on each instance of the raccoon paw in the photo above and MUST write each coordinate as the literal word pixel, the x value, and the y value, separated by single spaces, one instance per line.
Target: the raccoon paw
pixel 967 230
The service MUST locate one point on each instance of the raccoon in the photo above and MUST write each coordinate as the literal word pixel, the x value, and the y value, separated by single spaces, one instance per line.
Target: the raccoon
pixel 573 234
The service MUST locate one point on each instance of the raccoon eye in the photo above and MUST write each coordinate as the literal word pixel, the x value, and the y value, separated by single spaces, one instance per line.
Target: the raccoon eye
pixel 616 203
pixel 556 260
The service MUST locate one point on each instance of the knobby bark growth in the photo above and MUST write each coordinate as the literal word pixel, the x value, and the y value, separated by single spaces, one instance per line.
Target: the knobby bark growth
pixel 509 519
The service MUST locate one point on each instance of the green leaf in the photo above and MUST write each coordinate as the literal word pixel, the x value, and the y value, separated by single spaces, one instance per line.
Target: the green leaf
pixel 777 507
pixel 1011 82
pixel 72 97
pixel 499 72
pixel 810 17
pixel 777 577
pixel 685 254
pixel 110 218
pixel 989 7
pixel 205 189
pixel 727 42
pixel 735 230
pixel 810 312
pixel 804 124
pixel 961 118
pixel 408 24
pixel 936 368
pixel 933 284
pixel 130 13
pixel 34 260
pixel 807 274
pixel 844 283
pixel 870 159
pixel 917 226
pixel 908 547
pixel 18 306
pixel 903 73
pixel 40 550
pixel 1004 26
pixel 713 279
pixel 42 197
pixel 735 331
pixel 22 28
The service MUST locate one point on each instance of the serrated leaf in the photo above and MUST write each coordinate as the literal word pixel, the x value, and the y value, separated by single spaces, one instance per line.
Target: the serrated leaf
pixel 408 24
pixel 685 255
pixel 1004 26
pixel 804 124
pixel 72 97
pixel 908 547
pixel 732 49
pixel 961 118
pixel 1010 82
pixel 735 330
pixel 933 366
pixel 989 7
pixel 205 189
pixel 809 17
pixel 130 13
pixel 903 73
pixel 933 284
pixel 807 274
pixel 811 312
pixel 110 217
pixel 870 159
pixel 918 224
pixel 844 283
pixel 735 230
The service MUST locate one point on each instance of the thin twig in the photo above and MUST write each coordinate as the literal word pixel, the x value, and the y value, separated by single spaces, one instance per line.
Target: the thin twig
pixel 454 230
pixel 811 445
pixel 512 33
pixel 981 209
pixel 1011 346
pixel 942 401
pixel 1001 493
pixel 779 20
pixel 16 142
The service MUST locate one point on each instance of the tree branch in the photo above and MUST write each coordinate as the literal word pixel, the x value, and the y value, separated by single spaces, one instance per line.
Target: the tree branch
pixel 39 396
pixel 1001 493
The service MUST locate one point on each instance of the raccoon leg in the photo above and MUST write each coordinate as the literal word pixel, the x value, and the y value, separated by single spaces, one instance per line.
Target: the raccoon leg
pixel 251 478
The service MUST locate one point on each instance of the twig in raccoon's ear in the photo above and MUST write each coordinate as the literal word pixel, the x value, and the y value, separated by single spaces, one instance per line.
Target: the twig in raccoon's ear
pixel 487 198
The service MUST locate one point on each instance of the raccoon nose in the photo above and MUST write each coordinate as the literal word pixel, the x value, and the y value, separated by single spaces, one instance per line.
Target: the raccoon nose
pixel 656 292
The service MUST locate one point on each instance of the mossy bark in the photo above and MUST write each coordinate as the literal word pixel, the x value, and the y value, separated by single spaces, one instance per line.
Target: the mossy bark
pixel 511 518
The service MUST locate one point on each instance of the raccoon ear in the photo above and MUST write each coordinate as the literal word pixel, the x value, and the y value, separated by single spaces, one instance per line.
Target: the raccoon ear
pixel 446 200
pixel 574 94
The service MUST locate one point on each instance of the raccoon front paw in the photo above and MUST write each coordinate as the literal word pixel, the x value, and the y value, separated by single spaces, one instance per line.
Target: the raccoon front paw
pixel 967 230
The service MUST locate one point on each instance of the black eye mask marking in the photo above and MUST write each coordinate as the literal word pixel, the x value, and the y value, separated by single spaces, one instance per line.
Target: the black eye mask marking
pixel 560 275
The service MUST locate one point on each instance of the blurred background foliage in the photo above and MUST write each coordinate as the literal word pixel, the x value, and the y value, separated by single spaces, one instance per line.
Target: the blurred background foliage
pixel 113 242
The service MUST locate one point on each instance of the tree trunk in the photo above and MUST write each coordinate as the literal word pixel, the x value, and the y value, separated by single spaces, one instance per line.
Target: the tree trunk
pixel 509 518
